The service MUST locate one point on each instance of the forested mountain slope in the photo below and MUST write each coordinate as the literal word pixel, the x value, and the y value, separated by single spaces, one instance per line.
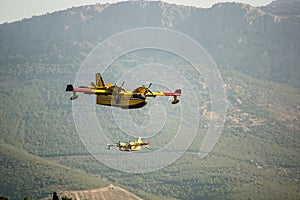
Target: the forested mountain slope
pixel 249 39
pixel 256 50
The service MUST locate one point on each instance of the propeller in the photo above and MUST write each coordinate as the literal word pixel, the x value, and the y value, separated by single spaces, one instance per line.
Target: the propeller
pixel 129 146
pixel 147 89
pixel 122 84
pixel 93 85
pixel 116 92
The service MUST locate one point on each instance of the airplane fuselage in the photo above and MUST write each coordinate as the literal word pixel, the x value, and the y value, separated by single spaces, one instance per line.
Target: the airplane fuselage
pixel 125 101
pixel 130 146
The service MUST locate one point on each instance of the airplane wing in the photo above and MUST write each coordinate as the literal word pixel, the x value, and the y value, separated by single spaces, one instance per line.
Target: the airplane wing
pixel 174 94
pixel 154 94
pixel 87 89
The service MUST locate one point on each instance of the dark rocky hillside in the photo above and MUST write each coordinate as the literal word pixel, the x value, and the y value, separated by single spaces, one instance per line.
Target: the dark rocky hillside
pixel 257 155
pixel 263 42
pixel 284 8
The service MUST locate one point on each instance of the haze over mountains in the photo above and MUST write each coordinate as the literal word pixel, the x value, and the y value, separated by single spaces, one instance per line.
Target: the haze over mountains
pixel 263 42
pixel 257 51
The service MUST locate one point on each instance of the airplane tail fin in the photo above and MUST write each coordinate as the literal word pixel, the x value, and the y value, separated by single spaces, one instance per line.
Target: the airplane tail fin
pixel 139 140
pixel 99 81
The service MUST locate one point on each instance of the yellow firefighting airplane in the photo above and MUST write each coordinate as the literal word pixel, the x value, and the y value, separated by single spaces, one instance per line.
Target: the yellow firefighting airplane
pixel 113 95
pixel 130 146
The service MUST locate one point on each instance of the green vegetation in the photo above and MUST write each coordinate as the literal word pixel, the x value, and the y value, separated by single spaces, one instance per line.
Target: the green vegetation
pixel 66 198
pixel 25 174
pixel 256 157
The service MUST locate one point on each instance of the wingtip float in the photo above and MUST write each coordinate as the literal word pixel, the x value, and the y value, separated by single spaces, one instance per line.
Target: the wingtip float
pixel 117 96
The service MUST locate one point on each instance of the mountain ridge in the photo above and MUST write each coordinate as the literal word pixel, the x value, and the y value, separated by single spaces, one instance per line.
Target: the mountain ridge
pixel 257 154
pixel 283 8
pixel 269 42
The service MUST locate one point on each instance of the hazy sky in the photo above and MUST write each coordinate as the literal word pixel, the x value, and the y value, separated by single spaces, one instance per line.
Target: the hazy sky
pixel 13 10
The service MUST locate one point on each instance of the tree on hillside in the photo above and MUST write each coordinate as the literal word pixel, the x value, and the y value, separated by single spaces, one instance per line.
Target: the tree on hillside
pixel 66 198
pixel 3 198
pixel 55 197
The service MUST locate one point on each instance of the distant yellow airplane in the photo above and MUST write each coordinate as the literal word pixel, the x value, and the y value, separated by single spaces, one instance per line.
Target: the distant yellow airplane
pixel 130 146
pixel 113 95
